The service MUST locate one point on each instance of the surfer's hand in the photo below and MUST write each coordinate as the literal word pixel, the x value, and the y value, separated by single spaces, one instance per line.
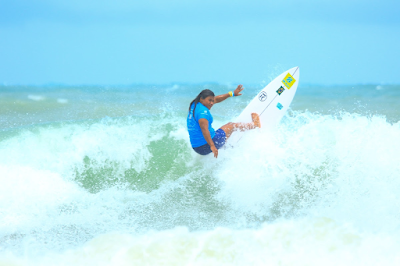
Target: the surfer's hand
pixel 238 90
pixel 215 151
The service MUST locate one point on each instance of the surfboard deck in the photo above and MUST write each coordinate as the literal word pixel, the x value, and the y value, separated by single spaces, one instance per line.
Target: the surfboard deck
pixel 271 103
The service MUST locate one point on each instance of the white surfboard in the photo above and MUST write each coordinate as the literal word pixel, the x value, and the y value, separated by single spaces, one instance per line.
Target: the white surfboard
pixel 270 103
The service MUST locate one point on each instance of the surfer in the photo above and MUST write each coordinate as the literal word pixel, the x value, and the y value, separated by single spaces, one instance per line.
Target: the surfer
pixel 203 138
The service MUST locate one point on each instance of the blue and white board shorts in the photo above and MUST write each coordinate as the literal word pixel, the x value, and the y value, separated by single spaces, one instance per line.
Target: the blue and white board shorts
pixel 219 141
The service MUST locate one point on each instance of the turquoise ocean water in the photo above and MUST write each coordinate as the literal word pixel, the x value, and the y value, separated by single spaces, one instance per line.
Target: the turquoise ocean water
pixel 96 175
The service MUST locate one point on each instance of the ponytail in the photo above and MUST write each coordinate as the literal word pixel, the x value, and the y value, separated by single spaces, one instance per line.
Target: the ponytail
pixel 203 94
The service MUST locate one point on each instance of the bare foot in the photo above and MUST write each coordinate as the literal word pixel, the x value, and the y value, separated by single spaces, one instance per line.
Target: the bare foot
pixel 256 119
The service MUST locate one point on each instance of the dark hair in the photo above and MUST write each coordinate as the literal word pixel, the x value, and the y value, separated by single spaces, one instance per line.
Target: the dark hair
pixel 203 94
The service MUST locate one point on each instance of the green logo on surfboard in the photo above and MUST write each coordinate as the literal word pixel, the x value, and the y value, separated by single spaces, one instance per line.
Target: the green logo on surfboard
pixel 280 90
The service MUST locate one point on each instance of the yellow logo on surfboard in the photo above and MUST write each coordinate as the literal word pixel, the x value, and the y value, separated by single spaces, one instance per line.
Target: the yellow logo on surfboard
pixel 288 81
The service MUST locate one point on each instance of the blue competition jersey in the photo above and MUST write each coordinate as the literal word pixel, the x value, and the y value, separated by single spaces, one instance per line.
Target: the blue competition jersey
pixel 196 136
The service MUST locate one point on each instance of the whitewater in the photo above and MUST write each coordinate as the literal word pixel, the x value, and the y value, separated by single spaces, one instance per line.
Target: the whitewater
pixel 96 175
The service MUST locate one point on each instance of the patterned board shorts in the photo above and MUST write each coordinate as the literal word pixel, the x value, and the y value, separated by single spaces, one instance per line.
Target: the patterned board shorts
pixel 219 141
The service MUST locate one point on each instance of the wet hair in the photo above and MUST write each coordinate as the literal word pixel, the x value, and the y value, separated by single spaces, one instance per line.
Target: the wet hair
pixel 203 94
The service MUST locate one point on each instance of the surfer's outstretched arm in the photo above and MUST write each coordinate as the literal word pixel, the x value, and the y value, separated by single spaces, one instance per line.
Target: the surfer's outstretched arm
pixel 230 127
pixel 222 97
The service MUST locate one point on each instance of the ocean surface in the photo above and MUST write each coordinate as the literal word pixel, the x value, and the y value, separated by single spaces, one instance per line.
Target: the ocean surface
pixel 105 175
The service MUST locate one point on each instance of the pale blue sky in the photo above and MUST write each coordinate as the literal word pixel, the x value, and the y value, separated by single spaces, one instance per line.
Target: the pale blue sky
pixel 126 42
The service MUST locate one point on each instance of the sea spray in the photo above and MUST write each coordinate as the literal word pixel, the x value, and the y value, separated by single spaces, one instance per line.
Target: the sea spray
pixel 115 181
pixel 342 166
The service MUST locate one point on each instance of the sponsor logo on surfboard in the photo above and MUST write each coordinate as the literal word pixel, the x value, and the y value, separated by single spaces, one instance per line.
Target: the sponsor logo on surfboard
pixel 262 96
pixel 288 81
pixel 280 106
pixel 280 90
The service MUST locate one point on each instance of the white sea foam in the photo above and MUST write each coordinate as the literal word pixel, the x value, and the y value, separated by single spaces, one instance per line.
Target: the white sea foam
pixel 320 190
pixel 297 242
pixel 343 168
pixel 62 101
pixel 36 97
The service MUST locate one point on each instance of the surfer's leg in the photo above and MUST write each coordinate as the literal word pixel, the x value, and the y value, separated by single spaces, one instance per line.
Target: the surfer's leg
pixel 230 127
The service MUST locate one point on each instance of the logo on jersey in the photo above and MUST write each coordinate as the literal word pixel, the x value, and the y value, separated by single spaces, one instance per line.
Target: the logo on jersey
pixel 288 81
pixel 262 96
pixel 280 106
pixel 280 90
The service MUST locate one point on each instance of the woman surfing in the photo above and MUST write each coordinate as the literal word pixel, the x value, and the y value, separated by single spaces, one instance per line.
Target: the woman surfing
pixel 203 138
